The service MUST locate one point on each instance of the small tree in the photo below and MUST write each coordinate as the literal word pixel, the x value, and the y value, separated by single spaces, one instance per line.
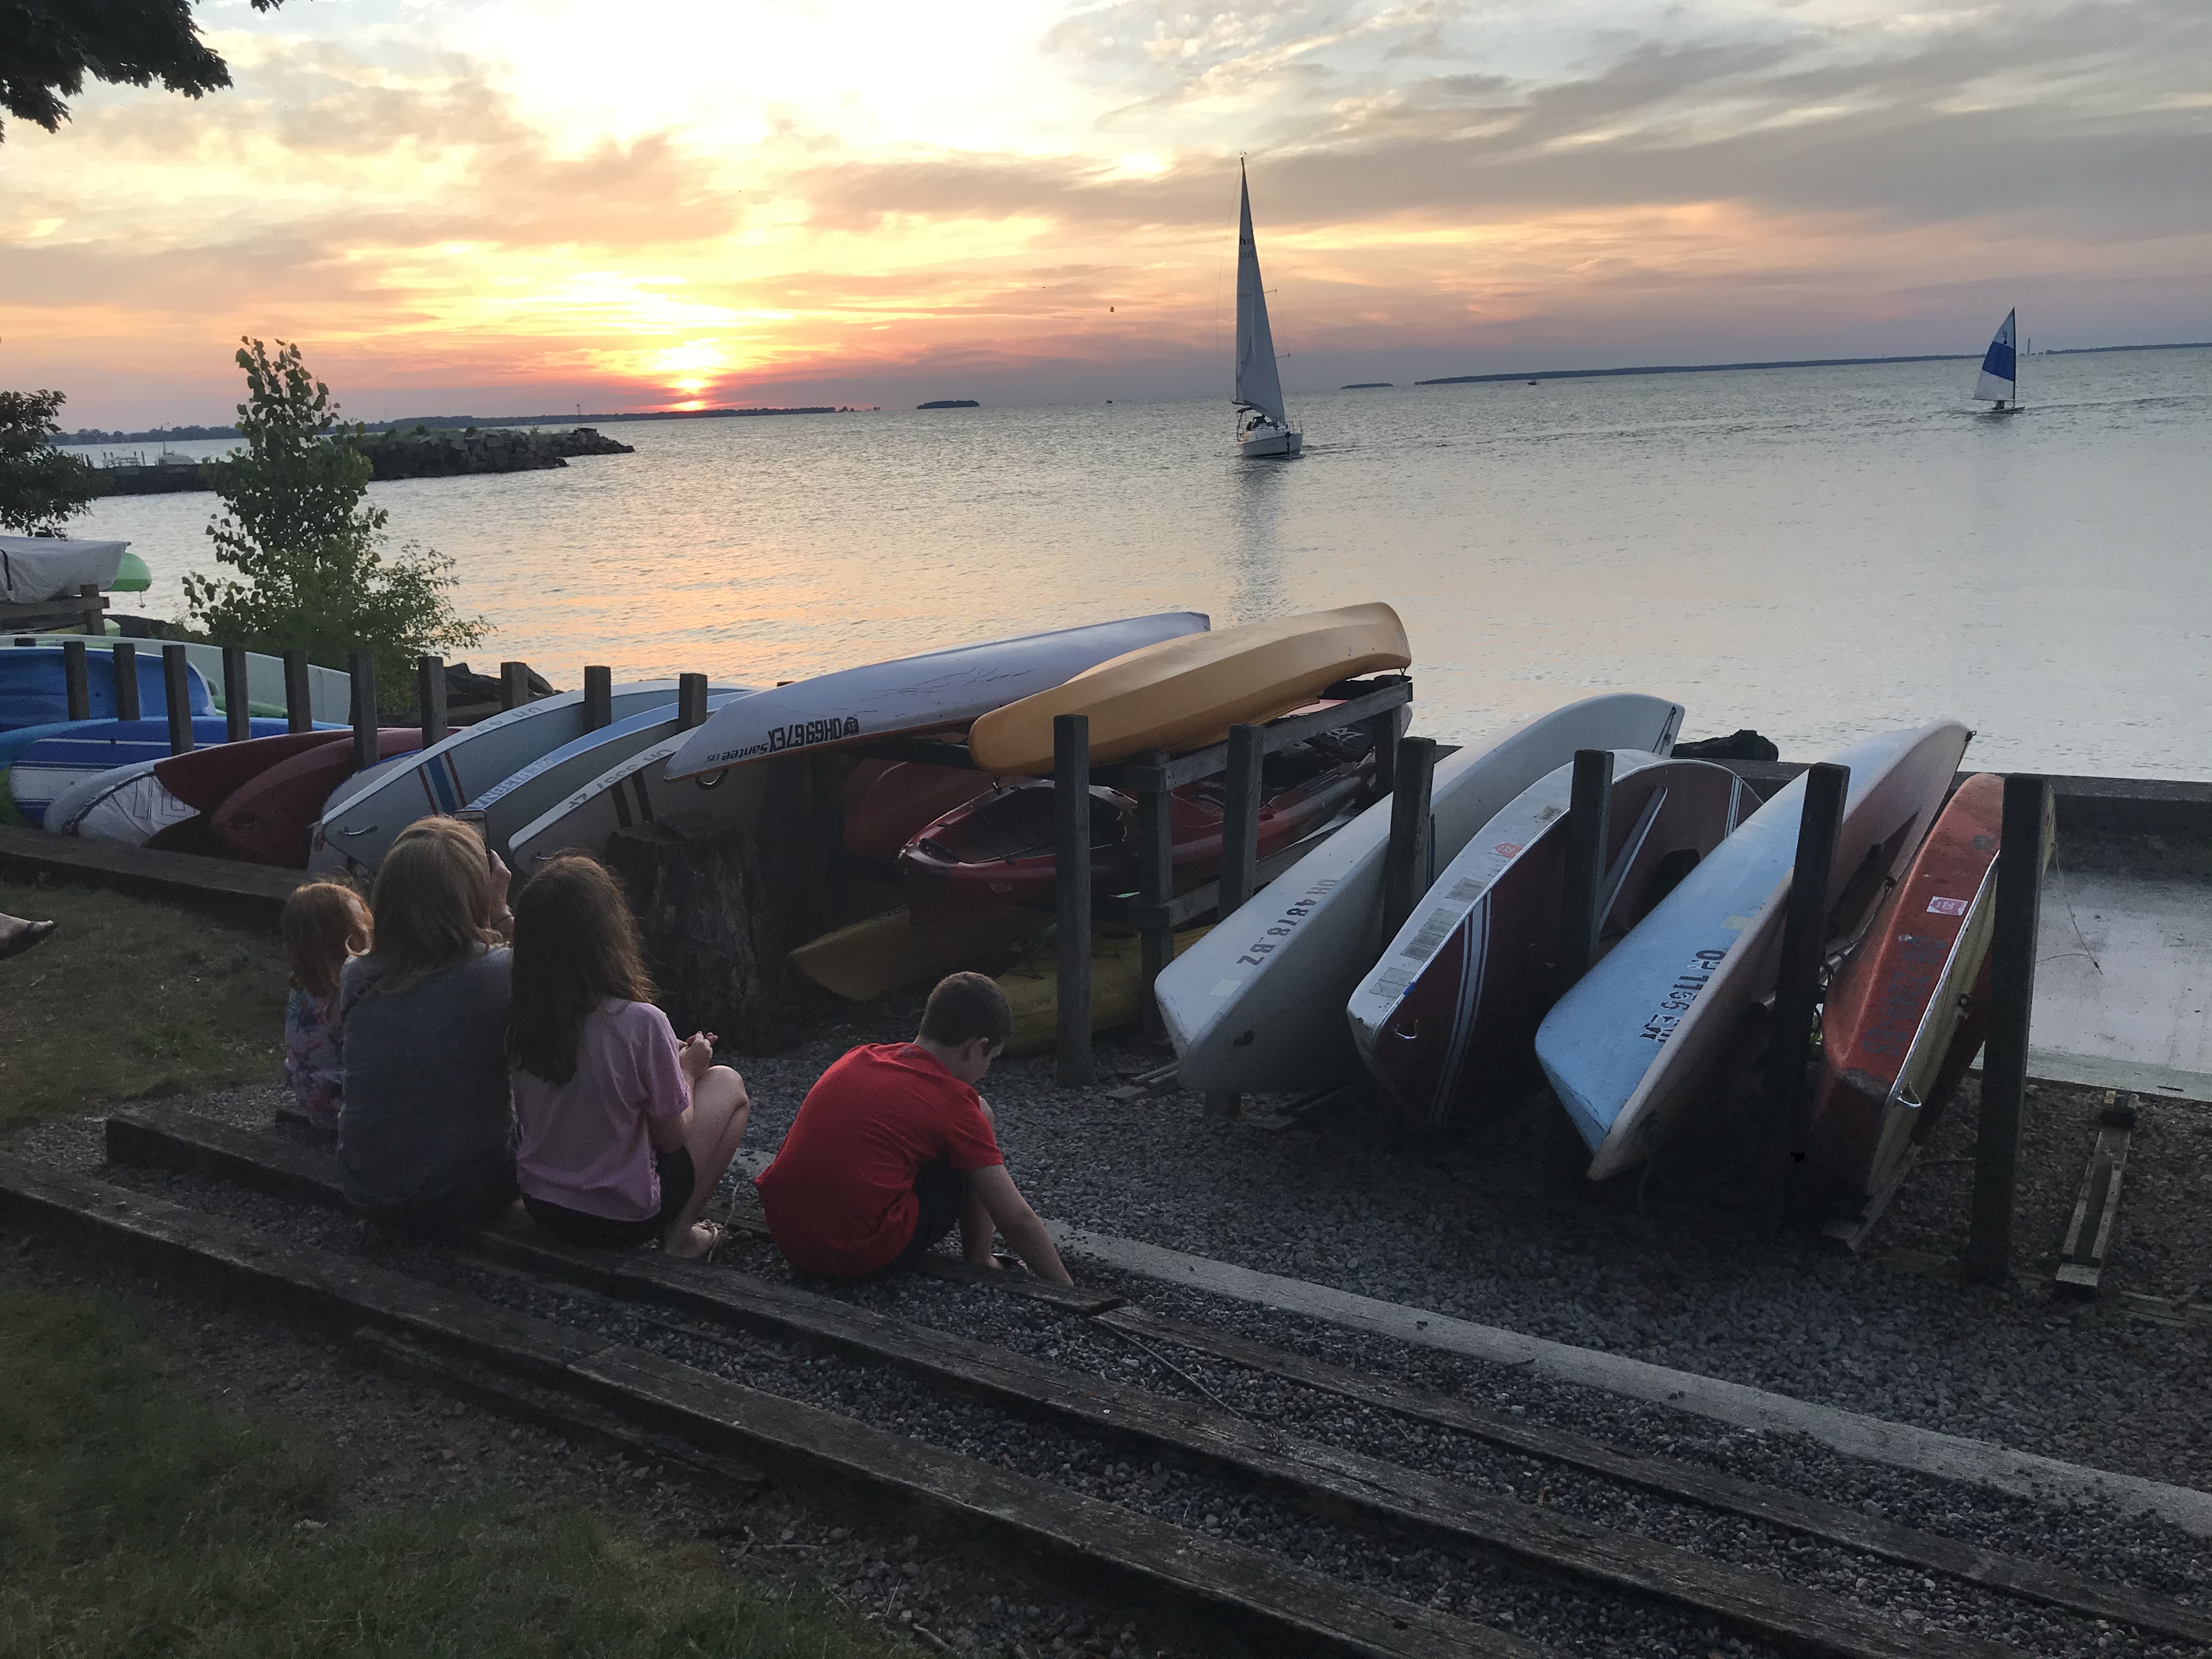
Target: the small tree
pixel 40 487
pixel 317 577
pixel 48 49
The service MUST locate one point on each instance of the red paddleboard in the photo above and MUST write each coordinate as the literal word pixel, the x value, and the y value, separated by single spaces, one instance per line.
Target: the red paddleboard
pixel 1904 1014
pixel 888 804
pixel 271 819
pixel 206 777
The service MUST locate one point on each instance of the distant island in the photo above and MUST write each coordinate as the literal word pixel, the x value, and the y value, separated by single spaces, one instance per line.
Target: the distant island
pixel 1366 385
pixel 1532 375
pixel 179 434
pixel 951 402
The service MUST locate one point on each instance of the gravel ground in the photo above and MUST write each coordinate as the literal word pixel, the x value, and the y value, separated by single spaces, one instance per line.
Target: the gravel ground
pixel 1451 1580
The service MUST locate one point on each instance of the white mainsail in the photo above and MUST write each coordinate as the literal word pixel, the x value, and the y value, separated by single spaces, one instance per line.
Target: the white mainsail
pixel 1999 383
pixel 1259 385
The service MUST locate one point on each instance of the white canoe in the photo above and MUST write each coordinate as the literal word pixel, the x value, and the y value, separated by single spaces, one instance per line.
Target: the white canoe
pixel 638 790
pixel 935 691
pixel 363 816
pixel 522 797
pixel 1257 1006
pixel 329 693
pixel 1631 1050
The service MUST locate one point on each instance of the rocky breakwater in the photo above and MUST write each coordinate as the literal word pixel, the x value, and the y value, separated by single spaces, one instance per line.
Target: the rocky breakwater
pixel 419 453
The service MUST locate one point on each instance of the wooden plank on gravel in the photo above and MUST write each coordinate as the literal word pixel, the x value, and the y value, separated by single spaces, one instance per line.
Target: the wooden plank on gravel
pixel 1212 1582
pixel 1324 1478
pixel 145 869
pixel 2096 1208
pixel 2034 1581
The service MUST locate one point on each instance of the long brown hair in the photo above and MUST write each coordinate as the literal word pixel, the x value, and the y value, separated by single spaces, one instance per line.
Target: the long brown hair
pixel 324 922
pixel 575 945
pixel 433 902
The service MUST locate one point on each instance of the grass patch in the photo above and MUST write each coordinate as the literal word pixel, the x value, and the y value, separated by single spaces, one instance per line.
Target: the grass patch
pixel 137 1521
pixel 131 998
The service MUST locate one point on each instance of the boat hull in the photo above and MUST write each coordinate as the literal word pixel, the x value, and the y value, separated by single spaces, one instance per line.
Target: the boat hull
pixel 1633 1051
pixel 936 691
pixel 272 819
pixel 1258 1004
pixel 1185 694
pixel 1270 444
pixel 637 792
pixel 1906 1013
pixel 1117 989
pixel 39 776
pixel 1447 1022
pixel 878 955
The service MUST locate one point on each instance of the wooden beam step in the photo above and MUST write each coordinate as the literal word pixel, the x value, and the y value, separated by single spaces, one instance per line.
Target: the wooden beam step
pixel 2041 1581
pixel 141 869
pixel 1320 1479
pixel 1213 1587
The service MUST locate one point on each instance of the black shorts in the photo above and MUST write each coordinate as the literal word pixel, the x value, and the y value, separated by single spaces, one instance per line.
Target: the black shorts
pixel 942 1193
pixel 465 1202
pixel 678 1178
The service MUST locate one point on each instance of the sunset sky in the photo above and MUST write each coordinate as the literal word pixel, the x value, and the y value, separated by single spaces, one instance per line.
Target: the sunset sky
pixel 502 206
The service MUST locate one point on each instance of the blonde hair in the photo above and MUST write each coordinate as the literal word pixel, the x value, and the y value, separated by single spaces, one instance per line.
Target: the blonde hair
pixel 433 902
pixel 324 922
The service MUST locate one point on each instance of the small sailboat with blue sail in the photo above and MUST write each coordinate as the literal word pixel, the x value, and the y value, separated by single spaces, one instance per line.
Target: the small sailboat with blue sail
pixel 1263 429
pixel 1999 385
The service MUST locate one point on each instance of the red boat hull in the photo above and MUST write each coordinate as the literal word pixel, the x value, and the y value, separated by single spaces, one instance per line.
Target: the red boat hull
pixel 997 849
pixel 271 818
pixel 1904 1014
pixel 888 804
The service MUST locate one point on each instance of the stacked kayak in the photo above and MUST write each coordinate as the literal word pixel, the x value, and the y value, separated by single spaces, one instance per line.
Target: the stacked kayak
pixel 60 756
pixel 34 691
pixel 330 692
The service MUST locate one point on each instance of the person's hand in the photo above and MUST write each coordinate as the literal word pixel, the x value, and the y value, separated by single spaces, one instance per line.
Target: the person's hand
pixel 698 1054
pixel 499 878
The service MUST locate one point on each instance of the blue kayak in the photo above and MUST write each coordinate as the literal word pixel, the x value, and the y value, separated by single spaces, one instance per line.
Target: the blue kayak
pixel 42 761
pixel 33 693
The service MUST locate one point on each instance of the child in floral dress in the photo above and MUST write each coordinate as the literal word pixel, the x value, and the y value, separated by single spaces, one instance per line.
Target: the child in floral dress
pixel 325 924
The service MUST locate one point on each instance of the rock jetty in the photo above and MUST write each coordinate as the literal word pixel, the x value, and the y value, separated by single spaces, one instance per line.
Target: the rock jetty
pixel 420 453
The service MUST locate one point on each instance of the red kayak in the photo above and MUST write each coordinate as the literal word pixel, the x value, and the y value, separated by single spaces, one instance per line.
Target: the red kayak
pixel 997 849
pixel 1906 1013
pixel 889 803
pixel 270 818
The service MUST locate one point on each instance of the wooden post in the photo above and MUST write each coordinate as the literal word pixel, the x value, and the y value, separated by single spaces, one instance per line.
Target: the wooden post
pixel 237 696
pixel 1382 728
pixel 1797 983
pixel 76 680
pixel 1240 818
pixel 1590 813
pixel 690 700
pixel 514 684
pixel 2011 1001
pixel 598 697
pixel 95 608
pixel 1405 860
pixel 1155 885
pixel 124 660
pixel 177 697
pixel 1071 799
pixel 299 696
pixel 430 699
pixel 364 711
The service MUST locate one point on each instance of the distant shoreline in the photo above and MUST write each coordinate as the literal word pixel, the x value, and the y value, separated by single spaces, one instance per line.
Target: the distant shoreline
pixel 179 434
pixel 1798 362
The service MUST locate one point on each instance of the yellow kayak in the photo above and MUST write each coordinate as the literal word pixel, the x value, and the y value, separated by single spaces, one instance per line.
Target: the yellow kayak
pixel 873 958
pixel 1186 693
pixel 1117 973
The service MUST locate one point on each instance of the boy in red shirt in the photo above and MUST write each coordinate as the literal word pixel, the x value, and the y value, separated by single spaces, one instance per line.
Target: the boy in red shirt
pixel 893 1148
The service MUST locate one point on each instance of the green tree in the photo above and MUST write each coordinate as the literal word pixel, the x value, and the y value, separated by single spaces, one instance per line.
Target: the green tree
pixel 318 577
pixel 47 48
pixel 40 487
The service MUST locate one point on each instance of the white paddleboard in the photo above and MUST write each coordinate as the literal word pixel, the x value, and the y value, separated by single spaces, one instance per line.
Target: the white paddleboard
pixel 1257 1006
pixel 638 790
pixel 363 815
pixel 1630 1050
pixel 931 692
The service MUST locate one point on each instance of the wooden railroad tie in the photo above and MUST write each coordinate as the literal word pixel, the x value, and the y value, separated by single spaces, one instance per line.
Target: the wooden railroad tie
pixel 2088 1244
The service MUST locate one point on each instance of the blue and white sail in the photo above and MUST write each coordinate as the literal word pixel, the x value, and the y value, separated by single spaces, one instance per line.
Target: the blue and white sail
pixel 2000 377
pixel 1263 426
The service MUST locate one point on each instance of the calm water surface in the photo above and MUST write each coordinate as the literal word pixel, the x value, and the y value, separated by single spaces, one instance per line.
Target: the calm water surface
pixel 1818 553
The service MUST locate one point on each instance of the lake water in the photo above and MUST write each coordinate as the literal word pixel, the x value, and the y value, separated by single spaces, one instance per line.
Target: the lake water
pixel 1817 553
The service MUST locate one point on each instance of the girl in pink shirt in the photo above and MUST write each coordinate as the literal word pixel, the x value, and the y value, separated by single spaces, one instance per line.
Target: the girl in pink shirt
pixel 625 1132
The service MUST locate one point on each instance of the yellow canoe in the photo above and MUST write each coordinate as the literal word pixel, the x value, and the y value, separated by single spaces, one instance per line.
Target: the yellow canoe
pixel 1186 693
pixel 874 957
pixel 1117 988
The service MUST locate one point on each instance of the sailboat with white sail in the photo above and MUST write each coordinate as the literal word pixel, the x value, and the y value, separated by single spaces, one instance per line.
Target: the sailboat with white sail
pixel 1262 427
pixel 1999 386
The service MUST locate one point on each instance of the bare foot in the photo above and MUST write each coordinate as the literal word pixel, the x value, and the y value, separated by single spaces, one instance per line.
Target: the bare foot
pixel 989 1262
pixel 695 1243
pixel 18 935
